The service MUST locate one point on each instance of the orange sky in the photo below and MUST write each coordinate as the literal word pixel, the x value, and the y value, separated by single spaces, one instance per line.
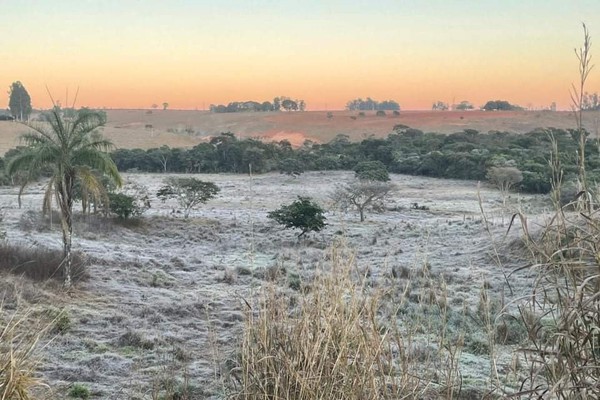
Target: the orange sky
pixel 131 54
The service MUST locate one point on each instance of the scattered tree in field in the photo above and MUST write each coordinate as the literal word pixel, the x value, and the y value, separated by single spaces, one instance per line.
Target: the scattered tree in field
pixel 362 195
pixel 439 106
pixel 372 171
pixel 123 206
pixel 463 105
pixel 380 113
pixel 154 106
pixel 69 151
pixel 189 192
pixel 165 105
pixel 505 178
pixel 19 102
pixel 303 214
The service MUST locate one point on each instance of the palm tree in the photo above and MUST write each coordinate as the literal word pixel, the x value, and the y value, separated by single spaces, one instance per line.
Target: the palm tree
pixel 69 150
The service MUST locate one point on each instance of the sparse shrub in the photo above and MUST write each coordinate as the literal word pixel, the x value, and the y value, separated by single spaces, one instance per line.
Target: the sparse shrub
pixel 39 263
pixel 135 339
pixel 380 113
pixel 303 214
pixel 79 391
pixel 294 281
pixel 361 114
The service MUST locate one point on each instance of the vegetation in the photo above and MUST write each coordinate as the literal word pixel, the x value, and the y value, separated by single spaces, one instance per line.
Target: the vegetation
pixel 500 105
pixel 373 105
pixel 19 102
pixel 278 103
pixel 362 195
pixel 68 151
pixel 303 214
pixel 440 106
pixel 372 171
pixel 461 155
pixel 189 192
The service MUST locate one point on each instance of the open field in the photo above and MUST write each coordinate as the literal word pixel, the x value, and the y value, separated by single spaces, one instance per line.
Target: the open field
pixel 166 297
pixel 138 129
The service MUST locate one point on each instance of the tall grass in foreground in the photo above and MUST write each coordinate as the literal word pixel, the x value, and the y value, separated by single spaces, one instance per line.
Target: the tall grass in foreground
pixel 18 358
pixel 333 340
pixel 562 315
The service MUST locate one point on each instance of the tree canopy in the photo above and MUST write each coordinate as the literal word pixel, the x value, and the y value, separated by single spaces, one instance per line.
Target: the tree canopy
pixel 19 102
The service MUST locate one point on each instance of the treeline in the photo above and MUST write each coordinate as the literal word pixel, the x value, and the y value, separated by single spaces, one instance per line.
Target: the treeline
pixel 279 103
pixel 462 155
pixel 370 104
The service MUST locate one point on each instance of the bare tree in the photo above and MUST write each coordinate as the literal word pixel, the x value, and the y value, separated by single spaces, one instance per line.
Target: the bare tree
pixel 361 195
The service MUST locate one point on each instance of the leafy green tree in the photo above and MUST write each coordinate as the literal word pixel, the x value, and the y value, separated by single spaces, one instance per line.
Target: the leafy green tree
pixel 68 150
pixel 123 206
pixel 372 171
pixel 189 192
pixel 19 102
pixel 165 105
pixel 303 214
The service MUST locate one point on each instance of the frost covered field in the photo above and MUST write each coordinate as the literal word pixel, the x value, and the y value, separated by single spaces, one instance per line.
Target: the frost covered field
pixel 165 297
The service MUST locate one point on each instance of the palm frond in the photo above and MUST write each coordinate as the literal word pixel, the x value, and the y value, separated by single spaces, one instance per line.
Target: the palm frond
pixel 99 161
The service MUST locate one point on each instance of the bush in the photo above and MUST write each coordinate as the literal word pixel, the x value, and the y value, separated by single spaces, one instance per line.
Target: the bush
pixel 79 391
pixel 372 171
pixel 380 113
pixel 123 206
pixel 39 263
pixel 302 214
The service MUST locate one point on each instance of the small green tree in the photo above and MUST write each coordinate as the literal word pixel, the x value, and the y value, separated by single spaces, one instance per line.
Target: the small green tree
pixel 302 214
pixel 189 192
pixel 125 206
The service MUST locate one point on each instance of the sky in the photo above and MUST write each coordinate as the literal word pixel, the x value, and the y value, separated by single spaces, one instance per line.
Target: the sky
pixel 193 53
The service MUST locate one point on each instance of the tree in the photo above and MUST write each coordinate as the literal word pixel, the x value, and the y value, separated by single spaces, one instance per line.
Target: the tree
pixel 464 105
pixel 302 214
pixel 154 106
pixel 590 102
pixel 19 102
pixel 500 105
pixel 165 105
pixel 289 105
pixel 189 192
pixel 439 106
pixel 69 151
pixel 505 178
pixel 361 195
pixel 372 171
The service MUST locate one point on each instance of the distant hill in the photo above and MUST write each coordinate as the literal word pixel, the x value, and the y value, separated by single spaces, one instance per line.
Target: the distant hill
pixel 144 129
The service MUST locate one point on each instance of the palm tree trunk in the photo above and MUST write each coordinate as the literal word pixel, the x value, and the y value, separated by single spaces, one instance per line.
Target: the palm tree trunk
pixel 66 208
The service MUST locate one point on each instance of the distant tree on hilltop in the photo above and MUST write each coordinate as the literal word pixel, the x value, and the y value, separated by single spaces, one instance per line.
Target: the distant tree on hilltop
pixel 500 105
pixel 373 105
pixel 19 101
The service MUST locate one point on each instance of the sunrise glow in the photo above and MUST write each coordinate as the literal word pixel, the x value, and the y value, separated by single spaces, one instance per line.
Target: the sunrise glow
pixel 132 54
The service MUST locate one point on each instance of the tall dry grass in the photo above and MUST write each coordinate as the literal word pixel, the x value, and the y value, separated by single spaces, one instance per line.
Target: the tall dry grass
pixel 19 359
pixel 562 314
pixel 335 340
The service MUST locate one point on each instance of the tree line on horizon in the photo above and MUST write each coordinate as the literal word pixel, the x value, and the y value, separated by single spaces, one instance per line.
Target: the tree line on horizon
pixel 279 103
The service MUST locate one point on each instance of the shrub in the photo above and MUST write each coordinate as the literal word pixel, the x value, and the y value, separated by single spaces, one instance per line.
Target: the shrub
pixel 372 171
pixel 380 113
pixel 79 391
pixel 123 206
pixel 302 214
pixel 39 263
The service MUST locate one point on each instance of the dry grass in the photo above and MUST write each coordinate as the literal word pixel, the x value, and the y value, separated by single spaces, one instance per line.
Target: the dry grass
pixel 38 263
pixel 19 360
pixel 336 340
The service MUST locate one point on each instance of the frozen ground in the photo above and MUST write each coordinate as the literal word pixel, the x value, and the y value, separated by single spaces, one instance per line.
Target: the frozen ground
pixel 166 297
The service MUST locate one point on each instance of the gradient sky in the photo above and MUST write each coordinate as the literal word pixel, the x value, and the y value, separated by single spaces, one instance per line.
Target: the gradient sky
pixel 133 53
